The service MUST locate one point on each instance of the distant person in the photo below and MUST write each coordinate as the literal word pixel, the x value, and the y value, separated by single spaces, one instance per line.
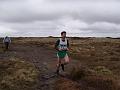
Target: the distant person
pixel 62 47
pixel 6 42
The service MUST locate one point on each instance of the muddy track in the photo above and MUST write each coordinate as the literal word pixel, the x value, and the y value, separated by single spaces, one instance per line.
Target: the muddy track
pixel 44 60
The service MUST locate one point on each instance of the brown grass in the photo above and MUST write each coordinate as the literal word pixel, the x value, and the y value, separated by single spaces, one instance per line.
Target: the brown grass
pixel 101 56
pixel 83 78
pixel 17 74
pixel 98 52
pixel 1 48
pixel 66 84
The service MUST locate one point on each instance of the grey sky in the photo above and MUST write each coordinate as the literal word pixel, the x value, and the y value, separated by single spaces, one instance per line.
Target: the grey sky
pixel 50 17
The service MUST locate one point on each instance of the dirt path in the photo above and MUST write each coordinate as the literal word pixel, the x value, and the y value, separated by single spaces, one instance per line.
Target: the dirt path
pixel 44 60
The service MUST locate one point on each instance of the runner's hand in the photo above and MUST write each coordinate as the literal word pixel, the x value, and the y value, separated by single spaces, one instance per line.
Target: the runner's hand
pixel 64 49
pixel 67 49
pixel 60 49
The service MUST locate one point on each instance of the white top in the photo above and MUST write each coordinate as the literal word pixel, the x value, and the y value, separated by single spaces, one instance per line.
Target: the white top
pixel 7 39
pixel 63 44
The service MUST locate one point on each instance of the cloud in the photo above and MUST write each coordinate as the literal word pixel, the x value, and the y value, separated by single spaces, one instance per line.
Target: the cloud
pixel 81 28
pixel 6 31
pixel 72 26
pixel 29 10
pixel 50 17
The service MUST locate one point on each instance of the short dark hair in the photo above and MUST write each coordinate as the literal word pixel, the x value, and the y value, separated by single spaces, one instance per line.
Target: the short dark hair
pixel 63 32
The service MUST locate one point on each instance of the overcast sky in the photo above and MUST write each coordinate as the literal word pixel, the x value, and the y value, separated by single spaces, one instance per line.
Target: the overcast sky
pixel 98 18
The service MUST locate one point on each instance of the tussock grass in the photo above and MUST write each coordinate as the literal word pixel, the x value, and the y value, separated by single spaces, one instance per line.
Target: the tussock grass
pixel 17 74
pixel 83 78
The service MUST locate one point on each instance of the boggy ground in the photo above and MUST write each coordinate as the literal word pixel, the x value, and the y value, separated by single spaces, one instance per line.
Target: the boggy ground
pixel 80 74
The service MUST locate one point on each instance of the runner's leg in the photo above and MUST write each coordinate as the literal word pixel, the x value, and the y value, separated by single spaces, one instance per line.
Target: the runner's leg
pixel 58 65
pixel 62 64
pixel 7 45
pixel 66 60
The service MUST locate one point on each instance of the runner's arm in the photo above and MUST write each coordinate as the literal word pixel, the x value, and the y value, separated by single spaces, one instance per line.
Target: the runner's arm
pixel 3 40
pixel 9 40
pixel 68 45
pixel 56 45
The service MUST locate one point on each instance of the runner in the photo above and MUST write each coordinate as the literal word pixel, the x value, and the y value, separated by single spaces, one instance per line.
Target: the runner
pixel 62 47
pixel 6 42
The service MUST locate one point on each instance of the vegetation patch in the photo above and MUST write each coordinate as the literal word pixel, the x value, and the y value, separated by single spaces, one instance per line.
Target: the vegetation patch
pixel 17 74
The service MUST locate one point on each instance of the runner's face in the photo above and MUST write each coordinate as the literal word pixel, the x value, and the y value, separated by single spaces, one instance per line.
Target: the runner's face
pixel 64 35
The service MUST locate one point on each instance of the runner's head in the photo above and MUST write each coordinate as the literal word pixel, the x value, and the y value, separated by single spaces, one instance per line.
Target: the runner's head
pixel 6 36
pixel 63 34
